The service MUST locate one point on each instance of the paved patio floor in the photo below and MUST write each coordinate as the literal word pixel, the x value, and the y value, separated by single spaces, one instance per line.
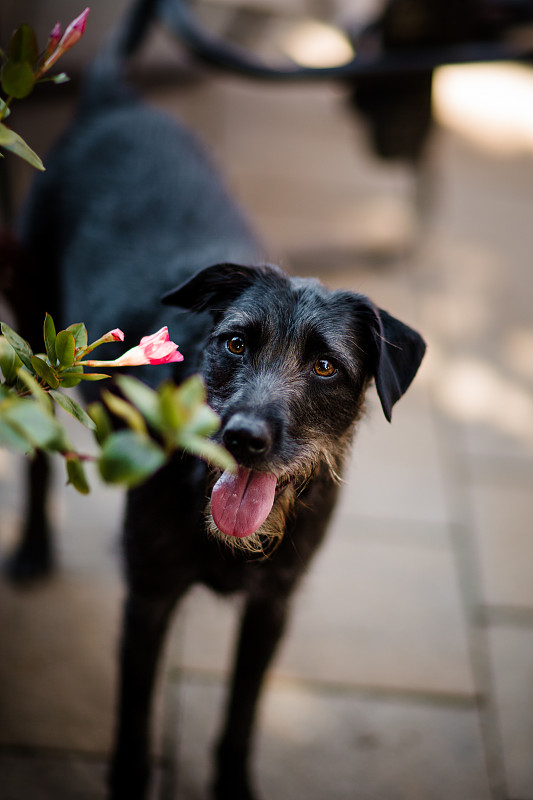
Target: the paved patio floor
pixel 408 670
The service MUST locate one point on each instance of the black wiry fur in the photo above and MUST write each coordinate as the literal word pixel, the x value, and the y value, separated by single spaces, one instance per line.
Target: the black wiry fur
pixel 128 208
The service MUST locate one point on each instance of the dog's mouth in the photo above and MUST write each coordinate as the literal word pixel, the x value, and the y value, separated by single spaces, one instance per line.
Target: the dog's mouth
pixel 241 501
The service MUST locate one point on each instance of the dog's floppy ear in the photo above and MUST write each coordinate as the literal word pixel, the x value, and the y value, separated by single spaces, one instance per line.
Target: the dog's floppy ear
pixel 399 352
pixel 213 288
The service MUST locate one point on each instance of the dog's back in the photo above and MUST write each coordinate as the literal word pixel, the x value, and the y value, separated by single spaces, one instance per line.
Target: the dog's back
pixel 129 206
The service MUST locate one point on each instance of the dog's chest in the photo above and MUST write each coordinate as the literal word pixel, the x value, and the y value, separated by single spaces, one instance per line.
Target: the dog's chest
pixel 227 572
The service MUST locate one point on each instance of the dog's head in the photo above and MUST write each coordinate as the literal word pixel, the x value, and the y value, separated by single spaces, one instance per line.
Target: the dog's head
pixel 286 366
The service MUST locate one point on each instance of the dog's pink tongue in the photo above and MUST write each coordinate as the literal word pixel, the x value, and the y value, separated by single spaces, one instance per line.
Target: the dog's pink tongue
pixel 241 502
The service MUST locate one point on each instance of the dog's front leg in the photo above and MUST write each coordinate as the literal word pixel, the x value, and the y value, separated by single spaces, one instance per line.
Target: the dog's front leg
pixel 145 623
pixel 33 556
pixel 262 628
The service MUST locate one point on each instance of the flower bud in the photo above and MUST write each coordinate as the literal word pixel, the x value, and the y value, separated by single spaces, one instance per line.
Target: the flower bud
pixel 57 44
pixel 53 40
pixel 74 31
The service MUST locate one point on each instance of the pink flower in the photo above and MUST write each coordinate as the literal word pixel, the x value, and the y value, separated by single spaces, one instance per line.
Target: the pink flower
pixel 158 349
pixel 154 349
pixel 57 44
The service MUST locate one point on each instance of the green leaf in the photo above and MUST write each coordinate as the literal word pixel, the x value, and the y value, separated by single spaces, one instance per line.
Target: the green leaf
pixel 19 345
pixel 192 392
pixel 205 421
pixel 50 339
pixel 144 398
pixel 125 411
pixel 37 391
pixel 10 363
pixel 45 372
pixel 102 421
pixel 40 427
pixel 65 348
pixel 129 457
pixel 94 376
pixel 208 450
pixel 14 439
pixel 76 475
pixel 173 412
pixel 16 144
pixel 79 331
pixel 23 45
pixel 17 79
pixel 74 409
pixel 70 377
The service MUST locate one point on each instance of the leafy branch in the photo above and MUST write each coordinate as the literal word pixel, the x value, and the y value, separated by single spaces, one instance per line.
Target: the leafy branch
pixel 157 423
pixel 23 67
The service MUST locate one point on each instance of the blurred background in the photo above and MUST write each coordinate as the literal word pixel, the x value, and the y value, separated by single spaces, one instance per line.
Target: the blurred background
pixel 408 670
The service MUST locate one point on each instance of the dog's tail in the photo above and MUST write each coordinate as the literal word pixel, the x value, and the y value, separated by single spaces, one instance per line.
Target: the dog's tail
pixel 104 82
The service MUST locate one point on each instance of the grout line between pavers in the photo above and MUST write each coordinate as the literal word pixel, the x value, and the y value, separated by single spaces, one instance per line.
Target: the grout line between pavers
pixel 451 453
pixel 508 616
pixel 457 474
pixel 394 694
pixel 51 753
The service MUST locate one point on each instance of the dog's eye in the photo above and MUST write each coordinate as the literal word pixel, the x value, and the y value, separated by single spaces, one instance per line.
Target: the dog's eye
pixel 324 368
pixel 236 345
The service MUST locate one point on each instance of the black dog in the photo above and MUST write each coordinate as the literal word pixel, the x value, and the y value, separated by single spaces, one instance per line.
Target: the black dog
pixel 129 206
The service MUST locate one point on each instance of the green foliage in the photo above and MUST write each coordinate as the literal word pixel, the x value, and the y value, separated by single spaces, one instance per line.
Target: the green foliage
pixel 33 424
pixel 19 345
pixel 65 347
pixel 180 417
pixel 10 363
pixel 79 331
pixel 44 371
pixel 11 141
pixel 76 474
pixel 130 457
pixel 50 338
pixel 71 407
pixel 100 417
pixel 17 75
pixel 22 67
pixel 158 422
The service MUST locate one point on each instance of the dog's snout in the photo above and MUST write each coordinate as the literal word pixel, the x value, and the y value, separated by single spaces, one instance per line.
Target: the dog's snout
pixel 246 437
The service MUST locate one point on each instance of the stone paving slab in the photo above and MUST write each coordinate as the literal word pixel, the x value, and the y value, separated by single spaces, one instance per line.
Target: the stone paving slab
pixel 57 664
pixel 340 746
pixel 58 775
pixel 504 538
pixel 511 650
pixel 395 470
pixel 48 776
pixel 250 130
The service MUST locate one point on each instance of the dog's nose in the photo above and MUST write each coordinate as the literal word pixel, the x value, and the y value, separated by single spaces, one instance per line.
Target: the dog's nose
pixel 247 437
